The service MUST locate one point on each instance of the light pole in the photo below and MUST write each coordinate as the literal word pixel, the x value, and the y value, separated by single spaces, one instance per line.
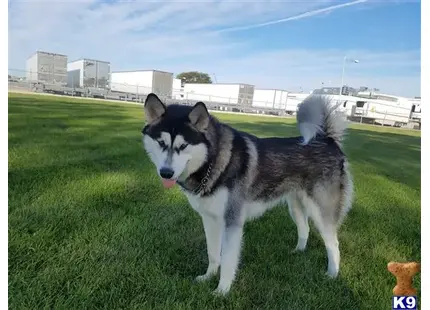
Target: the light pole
pixel 345 59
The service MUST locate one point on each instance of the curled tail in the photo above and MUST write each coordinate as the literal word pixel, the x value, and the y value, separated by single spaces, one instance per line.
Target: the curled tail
pixel 316 115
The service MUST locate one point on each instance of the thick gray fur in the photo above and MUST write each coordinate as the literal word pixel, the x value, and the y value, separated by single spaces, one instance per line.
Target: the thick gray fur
pixel 250 175
pixel 317 115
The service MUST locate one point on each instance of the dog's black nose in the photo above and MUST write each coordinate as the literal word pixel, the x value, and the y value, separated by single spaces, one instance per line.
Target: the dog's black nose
pixel 166 173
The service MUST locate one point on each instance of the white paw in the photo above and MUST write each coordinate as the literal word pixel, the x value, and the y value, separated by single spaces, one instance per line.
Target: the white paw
pixel 299 249
pixel 332 274
pixel 220 292
pixel 203 277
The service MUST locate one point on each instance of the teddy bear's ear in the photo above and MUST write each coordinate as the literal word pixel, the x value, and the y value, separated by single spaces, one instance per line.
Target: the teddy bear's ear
pixel 393 267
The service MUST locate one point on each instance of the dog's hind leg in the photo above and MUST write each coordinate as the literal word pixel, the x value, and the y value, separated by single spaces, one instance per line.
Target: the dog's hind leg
pixel 329 235
pixel 327 228
pixel 300 218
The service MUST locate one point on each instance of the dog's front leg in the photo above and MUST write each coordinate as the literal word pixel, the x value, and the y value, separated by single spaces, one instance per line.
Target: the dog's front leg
pixel 231 246
pixel 213 227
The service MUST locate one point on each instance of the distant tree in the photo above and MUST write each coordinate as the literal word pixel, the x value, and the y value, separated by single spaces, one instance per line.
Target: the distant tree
pixel 195 77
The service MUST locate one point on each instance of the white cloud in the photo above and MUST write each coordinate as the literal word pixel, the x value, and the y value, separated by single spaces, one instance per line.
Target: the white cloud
pixel 177 36
pixel 307 14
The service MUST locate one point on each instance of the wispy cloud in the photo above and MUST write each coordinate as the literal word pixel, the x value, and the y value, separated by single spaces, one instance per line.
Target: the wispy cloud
pixel 176 36
pixel 295 17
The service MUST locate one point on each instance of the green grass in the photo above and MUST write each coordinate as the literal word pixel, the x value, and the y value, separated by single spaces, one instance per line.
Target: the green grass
pixel 90 226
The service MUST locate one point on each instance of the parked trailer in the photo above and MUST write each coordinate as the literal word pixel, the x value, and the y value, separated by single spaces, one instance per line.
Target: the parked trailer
pixel 47 68
pixel 294 100
pixel 416 104
pixel 89 73
pixel 393 111
pixel 177 89
pixel 235 94
pixel 278 99
pixel 270 98
pixel 142 82
pixel 386 112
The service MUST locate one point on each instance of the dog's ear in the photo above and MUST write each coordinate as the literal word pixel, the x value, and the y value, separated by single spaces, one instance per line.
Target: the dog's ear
pixel 154 108
pixel 199 116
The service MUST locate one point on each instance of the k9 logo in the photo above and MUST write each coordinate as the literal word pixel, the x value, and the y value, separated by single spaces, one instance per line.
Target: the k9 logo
pixel 404 302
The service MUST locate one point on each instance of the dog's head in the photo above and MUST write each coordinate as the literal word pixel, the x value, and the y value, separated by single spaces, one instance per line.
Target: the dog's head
pixel 175 138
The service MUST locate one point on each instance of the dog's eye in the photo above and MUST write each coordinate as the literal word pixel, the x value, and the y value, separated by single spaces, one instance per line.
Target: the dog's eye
pixel 183 146
pixel 162 144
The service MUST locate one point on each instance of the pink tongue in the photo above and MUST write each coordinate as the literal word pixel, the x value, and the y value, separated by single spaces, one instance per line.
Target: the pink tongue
pixel 168 183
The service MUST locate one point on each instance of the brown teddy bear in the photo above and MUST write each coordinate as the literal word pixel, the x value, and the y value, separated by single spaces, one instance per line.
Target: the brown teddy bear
pixel 404 273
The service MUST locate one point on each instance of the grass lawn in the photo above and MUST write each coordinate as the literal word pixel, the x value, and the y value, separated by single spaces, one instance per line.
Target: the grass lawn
pixel 90 226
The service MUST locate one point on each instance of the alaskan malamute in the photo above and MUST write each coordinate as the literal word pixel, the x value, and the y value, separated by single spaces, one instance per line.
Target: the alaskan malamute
pixel 230 176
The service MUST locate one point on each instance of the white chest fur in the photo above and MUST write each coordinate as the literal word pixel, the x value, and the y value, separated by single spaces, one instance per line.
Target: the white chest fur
pixel 255 209
pixel 213 205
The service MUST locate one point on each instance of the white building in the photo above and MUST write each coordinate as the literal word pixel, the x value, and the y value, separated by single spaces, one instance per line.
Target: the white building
pixel 143 82
pixel 45 67
pixel 88 73
pixel 241 94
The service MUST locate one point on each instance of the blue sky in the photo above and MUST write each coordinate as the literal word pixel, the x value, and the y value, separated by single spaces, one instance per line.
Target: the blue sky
pixel 288 45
